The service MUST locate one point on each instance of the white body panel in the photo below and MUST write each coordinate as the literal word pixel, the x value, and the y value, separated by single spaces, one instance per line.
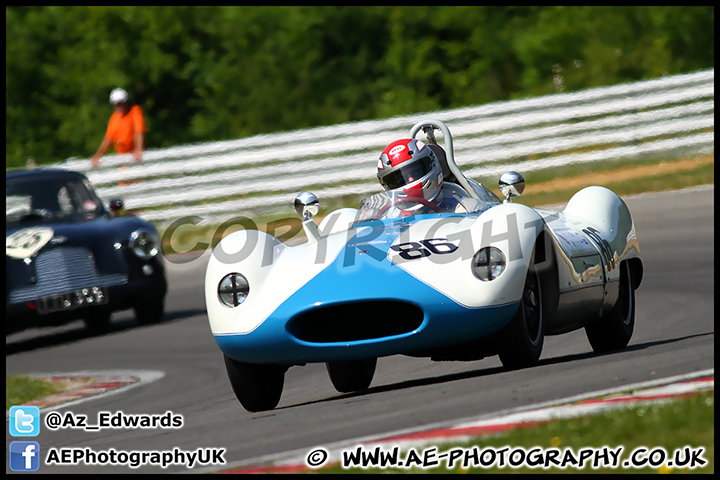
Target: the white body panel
pixel 512 228
pixel 274 271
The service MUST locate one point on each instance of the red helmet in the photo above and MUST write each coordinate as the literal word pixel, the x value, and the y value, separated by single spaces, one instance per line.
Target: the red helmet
pixel 409 165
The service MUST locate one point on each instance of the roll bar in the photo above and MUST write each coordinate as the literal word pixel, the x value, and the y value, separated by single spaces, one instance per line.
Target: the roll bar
pixel 428 127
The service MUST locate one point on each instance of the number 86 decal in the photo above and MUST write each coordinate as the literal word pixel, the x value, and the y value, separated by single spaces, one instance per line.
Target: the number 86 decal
pixel 424 248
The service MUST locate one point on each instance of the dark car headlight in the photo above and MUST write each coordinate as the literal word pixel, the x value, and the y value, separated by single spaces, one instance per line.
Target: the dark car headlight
pixel 488 263
pixel 144 244
pixel 233 289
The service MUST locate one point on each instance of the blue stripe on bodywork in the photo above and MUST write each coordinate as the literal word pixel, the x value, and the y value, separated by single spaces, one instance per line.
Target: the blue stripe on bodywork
pixel 368 276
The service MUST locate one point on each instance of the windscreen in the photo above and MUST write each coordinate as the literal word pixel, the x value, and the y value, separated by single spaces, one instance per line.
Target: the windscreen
pixel 394 203
pixel 49 198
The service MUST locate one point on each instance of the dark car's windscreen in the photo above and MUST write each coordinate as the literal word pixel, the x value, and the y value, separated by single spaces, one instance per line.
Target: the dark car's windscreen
pixel 49 197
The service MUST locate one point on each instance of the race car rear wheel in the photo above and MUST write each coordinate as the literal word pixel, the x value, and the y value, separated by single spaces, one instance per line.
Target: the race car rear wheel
pixel 351 375
pixel 257 387
pixel 613 332
pixel 521 341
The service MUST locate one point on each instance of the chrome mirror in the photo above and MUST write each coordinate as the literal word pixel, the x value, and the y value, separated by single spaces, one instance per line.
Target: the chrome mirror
pixel 307 205
pixel 511 185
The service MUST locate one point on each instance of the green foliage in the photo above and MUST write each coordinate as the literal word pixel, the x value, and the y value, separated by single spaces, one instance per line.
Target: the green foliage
pixel 223 72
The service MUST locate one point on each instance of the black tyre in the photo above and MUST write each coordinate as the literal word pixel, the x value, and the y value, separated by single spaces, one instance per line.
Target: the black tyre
pixel 98 321
pixel 352 375
pixel 257 387
pixel 150 311
pixel 613 331
pixel 521 341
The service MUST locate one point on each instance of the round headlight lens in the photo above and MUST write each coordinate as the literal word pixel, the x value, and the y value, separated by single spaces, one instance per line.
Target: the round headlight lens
pixel 144 244
pixel 488 263
pixel 233 289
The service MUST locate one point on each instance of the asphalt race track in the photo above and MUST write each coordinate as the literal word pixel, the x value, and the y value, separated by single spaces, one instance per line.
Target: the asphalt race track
pixel 674 334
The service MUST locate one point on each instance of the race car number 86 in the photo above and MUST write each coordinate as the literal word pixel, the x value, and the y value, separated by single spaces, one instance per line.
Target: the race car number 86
pixel 424 248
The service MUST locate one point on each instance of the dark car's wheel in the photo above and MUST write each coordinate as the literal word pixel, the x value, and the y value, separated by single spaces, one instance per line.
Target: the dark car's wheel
pixel 150 310
pixel 521 341
pixel 98 321
pixel 257 387
pixel 613 332
pixel 352 375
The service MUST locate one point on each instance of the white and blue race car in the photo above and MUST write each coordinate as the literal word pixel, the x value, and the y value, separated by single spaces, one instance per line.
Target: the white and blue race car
pixel 490 277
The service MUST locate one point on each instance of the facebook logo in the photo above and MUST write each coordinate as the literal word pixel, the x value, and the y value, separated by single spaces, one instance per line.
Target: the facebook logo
pixel 24 421
pixel 24 456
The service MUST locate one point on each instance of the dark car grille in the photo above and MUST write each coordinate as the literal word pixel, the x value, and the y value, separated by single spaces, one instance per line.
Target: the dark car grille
pixel 62 270
pixel 356 321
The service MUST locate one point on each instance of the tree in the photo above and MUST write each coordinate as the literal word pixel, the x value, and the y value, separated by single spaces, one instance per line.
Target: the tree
pixel 223 72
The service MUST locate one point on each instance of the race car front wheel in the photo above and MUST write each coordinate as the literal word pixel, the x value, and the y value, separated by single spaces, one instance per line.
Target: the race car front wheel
pixel 521 341
pixel 613 331
pixel 352 375
pixel 257 387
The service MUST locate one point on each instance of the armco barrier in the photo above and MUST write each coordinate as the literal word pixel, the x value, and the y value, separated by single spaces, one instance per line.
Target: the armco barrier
pixel 665 117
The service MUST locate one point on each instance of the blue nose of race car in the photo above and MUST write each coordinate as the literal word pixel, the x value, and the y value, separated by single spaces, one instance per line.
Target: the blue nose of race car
pixel 360 306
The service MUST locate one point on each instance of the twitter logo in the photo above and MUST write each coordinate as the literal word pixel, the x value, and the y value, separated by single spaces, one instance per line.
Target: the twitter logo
pixel 24 421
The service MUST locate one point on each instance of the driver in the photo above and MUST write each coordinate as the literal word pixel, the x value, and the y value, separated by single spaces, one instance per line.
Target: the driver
pixel 408 168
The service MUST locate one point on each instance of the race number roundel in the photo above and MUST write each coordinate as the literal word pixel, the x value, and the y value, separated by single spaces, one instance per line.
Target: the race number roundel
pixel 26 242
pixel 396 149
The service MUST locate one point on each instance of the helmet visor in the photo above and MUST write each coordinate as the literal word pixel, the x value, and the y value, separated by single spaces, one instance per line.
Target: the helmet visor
pixel 407 174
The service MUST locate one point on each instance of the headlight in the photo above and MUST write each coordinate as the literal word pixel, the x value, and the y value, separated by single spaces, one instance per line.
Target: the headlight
pixel 233 289
pixel 488 263
pixel 144 244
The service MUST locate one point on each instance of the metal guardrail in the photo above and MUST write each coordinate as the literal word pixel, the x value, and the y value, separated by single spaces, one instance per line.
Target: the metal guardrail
pixel 665 117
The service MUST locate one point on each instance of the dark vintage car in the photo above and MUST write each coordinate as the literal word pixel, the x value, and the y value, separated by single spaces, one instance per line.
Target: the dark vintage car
pixel 68 257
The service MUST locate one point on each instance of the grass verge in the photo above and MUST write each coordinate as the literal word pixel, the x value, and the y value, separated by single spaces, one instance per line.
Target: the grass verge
pixel 623 180
pixel 20 390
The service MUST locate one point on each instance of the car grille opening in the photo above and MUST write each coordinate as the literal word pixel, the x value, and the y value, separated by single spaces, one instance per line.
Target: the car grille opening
pixel 356 321
pixel 64 269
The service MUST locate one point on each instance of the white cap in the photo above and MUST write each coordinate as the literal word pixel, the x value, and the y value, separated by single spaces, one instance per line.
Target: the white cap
pixel 118 95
